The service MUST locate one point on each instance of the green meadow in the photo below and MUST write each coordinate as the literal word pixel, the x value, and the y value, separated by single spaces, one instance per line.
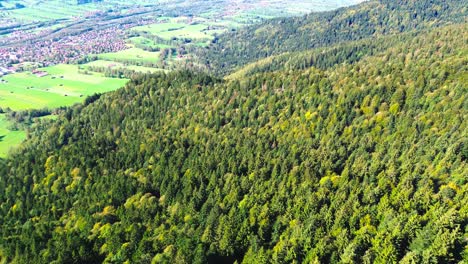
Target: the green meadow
pixel 147 42
pixel 8 138
pixel 189 32
pixel 171 30
pixel 63 86
pixel 58 9
pixel 132 55
pixel 155 29
pixel 116 65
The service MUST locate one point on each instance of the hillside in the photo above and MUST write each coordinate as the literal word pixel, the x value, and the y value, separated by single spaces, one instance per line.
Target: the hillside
pixel 367 20
pixel 362 162
pixel 323 58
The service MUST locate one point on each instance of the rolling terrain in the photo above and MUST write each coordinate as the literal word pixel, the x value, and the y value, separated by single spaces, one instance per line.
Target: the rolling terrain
pixel 367 20
pixel 338 137
pixel 354 152
pixel 98 45
pixel 63 85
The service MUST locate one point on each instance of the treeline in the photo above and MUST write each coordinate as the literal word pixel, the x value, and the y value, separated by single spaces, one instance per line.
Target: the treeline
pixel 367 20
pixel 139 61
pixel 154 41
pixel 115 72
pixel 355 163
pixel 23 119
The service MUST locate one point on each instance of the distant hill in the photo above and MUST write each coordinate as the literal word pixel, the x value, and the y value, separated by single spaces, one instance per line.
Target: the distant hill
pixel 367 20
pixel 327 57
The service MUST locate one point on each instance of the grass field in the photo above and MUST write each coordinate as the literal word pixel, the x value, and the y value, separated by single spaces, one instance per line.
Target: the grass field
pixel 189 31
pixel 27 91
pixel 173 29
pixel 8 138
pixel 155 29
pixel 113 64
pixel 131 55
pixel 36 10
pixel 147 42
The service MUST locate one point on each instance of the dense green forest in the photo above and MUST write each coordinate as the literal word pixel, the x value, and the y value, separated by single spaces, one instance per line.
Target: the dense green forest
pixel 324 58
pixel 355 162
pixel 369 19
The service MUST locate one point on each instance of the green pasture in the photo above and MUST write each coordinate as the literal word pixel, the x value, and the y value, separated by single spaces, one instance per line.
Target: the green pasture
pixel 175 30
pixel 113 64
pixel 131 55
pixel 155 29
pixel 8 138
pixel 64 86
pixel 209 14
pixel 57 9
pixel 147 42
pixel 189 32
pixel 164 18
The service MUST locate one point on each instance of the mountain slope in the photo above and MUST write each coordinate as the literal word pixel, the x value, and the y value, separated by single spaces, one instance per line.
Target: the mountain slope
pixel 362 163
pixel 328 57
pixel 367 20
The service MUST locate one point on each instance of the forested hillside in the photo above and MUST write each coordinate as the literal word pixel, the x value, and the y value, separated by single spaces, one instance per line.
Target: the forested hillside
pixel 368 20
pixel 327 57
pixel 362 162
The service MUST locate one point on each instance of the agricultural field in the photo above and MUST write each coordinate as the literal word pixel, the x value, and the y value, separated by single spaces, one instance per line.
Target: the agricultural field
pixel 171 30
pixel 178 32
pixel 63 85
pixel 160 27
pixel 117 65
pixel 133 55
pixel 285 8
pixel 37 10
pixel 147 43
pixel 8 138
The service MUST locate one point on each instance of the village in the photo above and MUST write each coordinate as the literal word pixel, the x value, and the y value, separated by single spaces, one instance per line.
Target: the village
pixel 66 43
pixel 66 50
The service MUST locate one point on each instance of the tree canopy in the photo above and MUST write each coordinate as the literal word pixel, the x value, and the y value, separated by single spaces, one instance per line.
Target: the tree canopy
pixel 361 162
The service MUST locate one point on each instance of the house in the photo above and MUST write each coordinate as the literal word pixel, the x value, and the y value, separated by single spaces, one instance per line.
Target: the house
pixel 40 73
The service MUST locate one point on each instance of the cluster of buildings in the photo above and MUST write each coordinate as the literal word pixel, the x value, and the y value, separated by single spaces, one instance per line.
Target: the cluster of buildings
pixel 16 36
pixel 35 49
pixel 67 49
